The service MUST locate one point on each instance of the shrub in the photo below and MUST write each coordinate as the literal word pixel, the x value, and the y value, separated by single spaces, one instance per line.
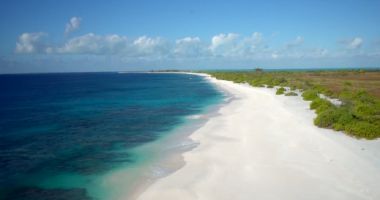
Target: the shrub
pixel 363 96
pixel 320 105
pixel 346 95
pixel 363 129
pixel 291 94
pixel 347 83
pixel 359 114
pixel 338 127
pixel 280 91
pixel 328 92
pixel 309 94
pixel 327 118
pixel 282 80
pixel 256 83
pixel 345 118
pixel 362 110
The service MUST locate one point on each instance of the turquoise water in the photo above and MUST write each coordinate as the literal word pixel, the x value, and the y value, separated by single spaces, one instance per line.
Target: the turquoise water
pixel 92 135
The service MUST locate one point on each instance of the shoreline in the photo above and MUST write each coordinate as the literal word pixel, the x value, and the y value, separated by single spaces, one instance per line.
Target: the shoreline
pixel 167 152
pixel 156 159
pixel 265 146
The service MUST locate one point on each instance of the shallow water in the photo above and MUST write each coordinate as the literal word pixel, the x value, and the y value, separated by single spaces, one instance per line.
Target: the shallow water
pixel 79 135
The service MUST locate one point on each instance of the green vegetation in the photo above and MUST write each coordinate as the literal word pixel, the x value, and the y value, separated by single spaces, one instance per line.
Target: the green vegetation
pixel 291 94
pixel 280 91
pixel 320 105
pixel 310 94
pixel 359 91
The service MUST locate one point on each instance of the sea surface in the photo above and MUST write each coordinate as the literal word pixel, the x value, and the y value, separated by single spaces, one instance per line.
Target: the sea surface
pixel 83 136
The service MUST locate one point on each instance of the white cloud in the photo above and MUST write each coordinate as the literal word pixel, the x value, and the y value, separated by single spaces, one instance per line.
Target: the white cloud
pixel 274 55
pixel 72 25
pixel 30 43
pixel 355 43
pixel 229 45
pixel 141 47
pixel 223 39
pixel 145 46
pixel 256 38
pixel 95 44
pixel 296 42
pixel 252 45
pixel 222 49
pixel 189 46
pixel 223 44
pixel 234 46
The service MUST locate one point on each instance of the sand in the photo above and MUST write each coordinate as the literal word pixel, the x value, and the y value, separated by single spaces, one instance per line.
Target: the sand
pixel 264 146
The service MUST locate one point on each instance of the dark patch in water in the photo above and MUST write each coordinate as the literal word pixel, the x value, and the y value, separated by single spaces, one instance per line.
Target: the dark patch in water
pixel 34 193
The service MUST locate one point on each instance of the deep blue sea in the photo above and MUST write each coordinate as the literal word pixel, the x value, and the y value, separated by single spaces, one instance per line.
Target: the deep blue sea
pixel 84 135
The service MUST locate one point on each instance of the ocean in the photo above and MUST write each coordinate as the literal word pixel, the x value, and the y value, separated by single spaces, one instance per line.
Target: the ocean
pixel 82 136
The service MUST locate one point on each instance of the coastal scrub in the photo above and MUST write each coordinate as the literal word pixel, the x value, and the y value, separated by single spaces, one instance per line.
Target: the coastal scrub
pixel 359 91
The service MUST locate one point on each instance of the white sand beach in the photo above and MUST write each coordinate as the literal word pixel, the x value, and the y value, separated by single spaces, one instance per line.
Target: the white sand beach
pixel 264 146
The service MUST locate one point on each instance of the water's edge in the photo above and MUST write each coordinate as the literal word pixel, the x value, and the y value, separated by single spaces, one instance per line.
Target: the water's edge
pixel 172 160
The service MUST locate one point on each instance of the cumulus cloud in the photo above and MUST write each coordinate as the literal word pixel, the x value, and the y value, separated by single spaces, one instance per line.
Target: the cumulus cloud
pixel 227 45
pixel 95 44
pixel 190 46
pixel 252 45
pixel 72 25
pixel 31 43
pixel 92 44
pixel 294 43
pixel 224 44
pixel 255 39
pixel 354 43
pixel 144 46
pixel 221 48
pixel 223 40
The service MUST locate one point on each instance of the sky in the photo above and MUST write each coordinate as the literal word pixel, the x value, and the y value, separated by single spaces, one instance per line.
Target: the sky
pixel 134 35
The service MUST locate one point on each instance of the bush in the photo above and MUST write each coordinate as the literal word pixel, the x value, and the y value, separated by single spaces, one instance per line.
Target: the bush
pixel 309 94
pixel 363 129
pixel 346 95
pixel 347 83
pixel 359 114
pixel 320 105
pixel 327 118
pixel 291 94
pixel 363 96
pixel 362 110
pixel 345 118
pixel 280 91
pixel 256 83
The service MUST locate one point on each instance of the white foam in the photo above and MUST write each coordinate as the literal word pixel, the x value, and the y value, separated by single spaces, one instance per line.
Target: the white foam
pixel 195 116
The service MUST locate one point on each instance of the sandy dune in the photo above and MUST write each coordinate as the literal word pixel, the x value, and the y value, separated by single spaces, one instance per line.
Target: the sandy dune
pixel 264 146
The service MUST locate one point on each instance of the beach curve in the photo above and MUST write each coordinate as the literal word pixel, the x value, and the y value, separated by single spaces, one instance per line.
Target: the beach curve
pixel 263 146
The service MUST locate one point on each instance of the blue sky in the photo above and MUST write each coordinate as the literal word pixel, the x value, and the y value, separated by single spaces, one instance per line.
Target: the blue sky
pixel 59 36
